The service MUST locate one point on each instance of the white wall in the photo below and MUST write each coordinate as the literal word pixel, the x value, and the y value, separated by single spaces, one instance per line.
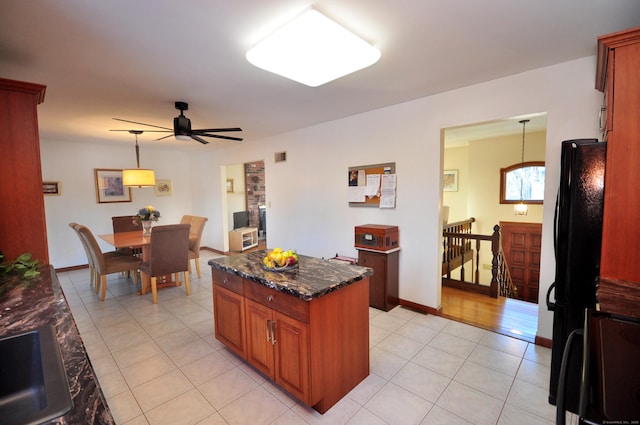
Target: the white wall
pixel 73 165
pixel 307 195
pixel 457 159
pixel 236 200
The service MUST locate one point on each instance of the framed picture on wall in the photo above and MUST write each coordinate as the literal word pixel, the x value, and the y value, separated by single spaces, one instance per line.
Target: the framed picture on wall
pixel 450 181
pixel 51 188
pixel 109 186
pixel 163 188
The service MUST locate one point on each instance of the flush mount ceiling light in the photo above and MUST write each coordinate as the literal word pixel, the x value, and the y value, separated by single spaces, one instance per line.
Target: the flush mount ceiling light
pixel 312 50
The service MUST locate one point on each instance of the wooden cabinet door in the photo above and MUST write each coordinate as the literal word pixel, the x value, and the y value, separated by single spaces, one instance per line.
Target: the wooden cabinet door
pixel 383 285
pixel 292 355
pixel 229 317
pixel 521 243
pixel 23 225
pixel 377 287
pixel 620 237
pixel 260 328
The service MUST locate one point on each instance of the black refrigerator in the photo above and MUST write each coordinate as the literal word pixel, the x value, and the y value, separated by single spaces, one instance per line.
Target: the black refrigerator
pixel 578 238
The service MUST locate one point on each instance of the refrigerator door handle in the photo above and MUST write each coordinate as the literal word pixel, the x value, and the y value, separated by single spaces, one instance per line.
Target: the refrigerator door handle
pixel 550 306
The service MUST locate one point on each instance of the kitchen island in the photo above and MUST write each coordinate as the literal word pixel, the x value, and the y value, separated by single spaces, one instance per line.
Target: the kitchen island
pixel 40 302
pixel 306 329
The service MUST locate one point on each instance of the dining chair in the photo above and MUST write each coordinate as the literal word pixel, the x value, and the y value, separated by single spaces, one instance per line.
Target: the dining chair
pixel 127 223
pixel 107 263
pixel 168 254
pixel 195 236
pixel 92 271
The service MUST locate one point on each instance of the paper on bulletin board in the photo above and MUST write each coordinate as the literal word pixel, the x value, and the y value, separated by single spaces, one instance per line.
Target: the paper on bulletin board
pixel 356 194
pixel 388 191
pixel 373 184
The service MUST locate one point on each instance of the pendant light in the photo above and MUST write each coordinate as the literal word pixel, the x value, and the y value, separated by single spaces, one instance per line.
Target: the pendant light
pixel 140 177
pixel 521 208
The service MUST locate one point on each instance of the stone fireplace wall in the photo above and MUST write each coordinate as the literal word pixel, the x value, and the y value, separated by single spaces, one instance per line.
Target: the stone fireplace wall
pixel 255 190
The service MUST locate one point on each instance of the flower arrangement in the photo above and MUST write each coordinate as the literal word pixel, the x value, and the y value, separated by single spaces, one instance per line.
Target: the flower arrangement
pixel 148 213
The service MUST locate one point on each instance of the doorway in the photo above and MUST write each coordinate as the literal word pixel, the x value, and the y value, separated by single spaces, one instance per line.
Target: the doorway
pixel 475 154
pixel 246 198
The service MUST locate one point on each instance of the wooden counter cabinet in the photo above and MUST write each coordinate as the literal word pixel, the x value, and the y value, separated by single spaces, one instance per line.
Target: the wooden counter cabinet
pixel 278 346
pixel 229 309
pixel 317 350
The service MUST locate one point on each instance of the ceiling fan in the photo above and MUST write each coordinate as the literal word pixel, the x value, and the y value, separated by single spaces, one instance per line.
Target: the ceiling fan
pixel 182 128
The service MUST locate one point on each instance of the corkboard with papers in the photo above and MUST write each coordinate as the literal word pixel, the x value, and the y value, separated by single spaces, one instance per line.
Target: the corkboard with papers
pixel 372 185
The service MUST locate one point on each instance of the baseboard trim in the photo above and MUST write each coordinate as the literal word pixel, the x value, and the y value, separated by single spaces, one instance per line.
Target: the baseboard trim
pixel 206 248
pixel 420 308
pixel 543 342
pixel 72 268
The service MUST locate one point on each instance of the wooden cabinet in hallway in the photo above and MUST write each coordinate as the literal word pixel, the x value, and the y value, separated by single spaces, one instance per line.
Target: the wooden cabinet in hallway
pixel 521 243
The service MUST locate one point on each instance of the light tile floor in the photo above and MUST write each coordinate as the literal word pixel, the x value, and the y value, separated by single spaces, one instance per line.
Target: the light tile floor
pixel 160 364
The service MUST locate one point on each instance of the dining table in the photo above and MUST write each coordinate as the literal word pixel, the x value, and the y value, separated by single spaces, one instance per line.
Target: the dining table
pixel 136 239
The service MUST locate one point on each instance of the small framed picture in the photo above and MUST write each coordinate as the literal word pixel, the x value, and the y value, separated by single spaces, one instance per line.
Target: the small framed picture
pixel 450 181
pixel 51 188
pixel 163 188
pixel 109 186
pixel 230 185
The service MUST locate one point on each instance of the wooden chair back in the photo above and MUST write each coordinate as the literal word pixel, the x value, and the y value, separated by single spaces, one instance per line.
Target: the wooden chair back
pixel 125 223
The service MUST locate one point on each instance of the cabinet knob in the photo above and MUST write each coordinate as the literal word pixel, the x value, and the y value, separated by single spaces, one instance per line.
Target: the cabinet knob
pixel 270 298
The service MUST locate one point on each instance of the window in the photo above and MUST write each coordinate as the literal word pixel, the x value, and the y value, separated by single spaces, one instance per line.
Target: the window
pixel 522 181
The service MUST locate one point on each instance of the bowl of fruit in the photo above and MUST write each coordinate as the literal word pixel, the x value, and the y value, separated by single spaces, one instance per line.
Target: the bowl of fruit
pixel 278 260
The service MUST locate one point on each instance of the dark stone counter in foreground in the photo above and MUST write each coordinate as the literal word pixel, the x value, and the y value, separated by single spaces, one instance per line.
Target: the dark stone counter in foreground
pixel 39 302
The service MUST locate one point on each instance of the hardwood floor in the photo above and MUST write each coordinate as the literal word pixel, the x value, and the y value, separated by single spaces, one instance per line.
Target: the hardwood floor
pixel 515 318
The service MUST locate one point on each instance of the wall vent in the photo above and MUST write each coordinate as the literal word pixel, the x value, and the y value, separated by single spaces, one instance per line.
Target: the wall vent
pixel 280 156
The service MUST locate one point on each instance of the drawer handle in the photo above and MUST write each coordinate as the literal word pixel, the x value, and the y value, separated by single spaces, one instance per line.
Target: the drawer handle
pixel 225 281
pixel 268 331
pixel 270 298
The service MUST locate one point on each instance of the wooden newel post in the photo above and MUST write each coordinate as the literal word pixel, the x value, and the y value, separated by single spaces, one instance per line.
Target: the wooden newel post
pixel 495 250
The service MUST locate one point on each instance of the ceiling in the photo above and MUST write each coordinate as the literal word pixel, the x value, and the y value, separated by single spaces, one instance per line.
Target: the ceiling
pixel 134 59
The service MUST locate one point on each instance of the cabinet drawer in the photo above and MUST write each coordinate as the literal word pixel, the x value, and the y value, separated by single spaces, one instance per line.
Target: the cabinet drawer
pixel 284 303
pixel 227 280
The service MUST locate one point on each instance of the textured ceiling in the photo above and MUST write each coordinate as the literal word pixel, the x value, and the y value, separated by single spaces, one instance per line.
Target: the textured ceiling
pixel 134 59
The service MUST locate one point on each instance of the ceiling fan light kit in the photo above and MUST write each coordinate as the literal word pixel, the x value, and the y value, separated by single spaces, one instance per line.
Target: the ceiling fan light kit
pixel 312 50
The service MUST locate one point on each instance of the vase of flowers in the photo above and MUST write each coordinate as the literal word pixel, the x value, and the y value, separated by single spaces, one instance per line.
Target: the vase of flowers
pixel 147 216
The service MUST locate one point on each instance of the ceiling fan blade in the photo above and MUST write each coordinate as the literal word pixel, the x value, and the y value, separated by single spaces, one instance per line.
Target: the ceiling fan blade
pixel 168 135
pixel 145 131
pixel 141 123
pixel 214 130
pixel 194 137
pixel 222 137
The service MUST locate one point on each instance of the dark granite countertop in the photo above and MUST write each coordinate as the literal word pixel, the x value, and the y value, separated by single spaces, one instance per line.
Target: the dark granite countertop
pixel 41 302
pixel 313 278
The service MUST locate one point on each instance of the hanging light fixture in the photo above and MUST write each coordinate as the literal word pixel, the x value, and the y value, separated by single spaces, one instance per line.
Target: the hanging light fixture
pixel 521 208
pixel 140 177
